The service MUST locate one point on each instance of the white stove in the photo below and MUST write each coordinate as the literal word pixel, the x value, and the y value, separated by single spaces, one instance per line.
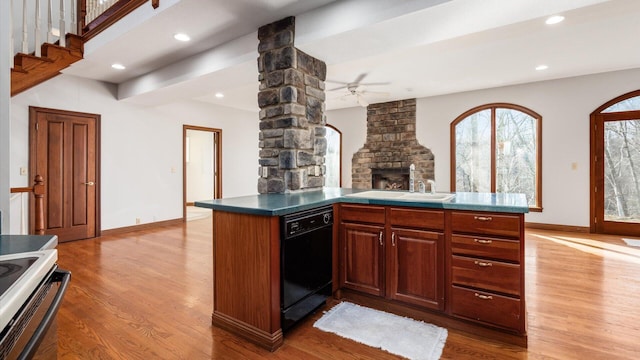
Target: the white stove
pixel 20 276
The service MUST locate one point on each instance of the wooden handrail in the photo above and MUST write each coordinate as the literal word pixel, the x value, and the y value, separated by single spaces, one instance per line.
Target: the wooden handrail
pixel 38 192
pixel 116 12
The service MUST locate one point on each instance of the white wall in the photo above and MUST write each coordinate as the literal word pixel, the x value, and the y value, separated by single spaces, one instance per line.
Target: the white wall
pixel 5 124
pixel 141 149
pixel 564 105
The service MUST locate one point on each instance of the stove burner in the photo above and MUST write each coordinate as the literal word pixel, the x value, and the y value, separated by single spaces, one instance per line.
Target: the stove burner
pixel 11 270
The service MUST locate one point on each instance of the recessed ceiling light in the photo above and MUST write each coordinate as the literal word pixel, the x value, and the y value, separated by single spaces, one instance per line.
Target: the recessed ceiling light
pixel 219 95
pixel 554 19
pixel 181 37
pixel 118 66
pixel 541 67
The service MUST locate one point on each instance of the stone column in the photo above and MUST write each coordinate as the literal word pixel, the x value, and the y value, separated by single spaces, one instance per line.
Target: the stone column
pixel 291 99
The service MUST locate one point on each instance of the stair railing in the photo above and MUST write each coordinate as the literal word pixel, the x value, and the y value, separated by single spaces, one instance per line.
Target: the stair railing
pixel 38 194
pixel 33 23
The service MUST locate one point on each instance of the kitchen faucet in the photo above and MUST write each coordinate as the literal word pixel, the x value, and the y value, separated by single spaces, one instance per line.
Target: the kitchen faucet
pixel 432 184
pixel 412 170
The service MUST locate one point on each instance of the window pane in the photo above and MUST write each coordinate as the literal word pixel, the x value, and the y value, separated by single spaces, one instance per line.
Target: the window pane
pixel 516 153
pixel 624 105
pixel 622 171
pixel 332 158
pixel 473 153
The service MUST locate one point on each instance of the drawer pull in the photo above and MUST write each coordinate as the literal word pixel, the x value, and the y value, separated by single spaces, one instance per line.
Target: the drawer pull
pixel 393 238
pixel 484 297
pixel 482 241
pixel 483 218
pixel 380 237
pixel 483 263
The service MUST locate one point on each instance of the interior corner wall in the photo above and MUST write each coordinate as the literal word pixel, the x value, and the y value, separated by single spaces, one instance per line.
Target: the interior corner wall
pixel 565 106
pixel 5 110
pixel 141 147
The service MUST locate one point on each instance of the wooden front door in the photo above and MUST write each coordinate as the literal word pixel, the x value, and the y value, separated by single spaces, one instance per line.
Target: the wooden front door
pixel 64 150
pixel 615 166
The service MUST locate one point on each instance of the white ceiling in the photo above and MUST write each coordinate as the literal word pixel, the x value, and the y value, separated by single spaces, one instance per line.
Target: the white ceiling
pixel 419 48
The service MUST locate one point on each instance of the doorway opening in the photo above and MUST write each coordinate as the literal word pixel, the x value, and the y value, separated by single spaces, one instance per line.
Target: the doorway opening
pixel 202 167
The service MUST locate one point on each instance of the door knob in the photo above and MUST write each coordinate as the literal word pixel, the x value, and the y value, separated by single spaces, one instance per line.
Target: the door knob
pixel 90 183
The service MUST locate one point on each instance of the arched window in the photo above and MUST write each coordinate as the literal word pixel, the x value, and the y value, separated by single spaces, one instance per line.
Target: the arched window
pixel 497 148
pixel 615 166
pixel 333 158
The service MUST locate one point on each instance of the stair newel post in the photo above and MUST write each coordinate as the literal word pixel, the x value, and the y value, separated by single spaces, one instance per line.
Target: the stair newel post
pixel 50 23
pixel 37 41
pixel 38 193
pixel 63 31
pixel 25 39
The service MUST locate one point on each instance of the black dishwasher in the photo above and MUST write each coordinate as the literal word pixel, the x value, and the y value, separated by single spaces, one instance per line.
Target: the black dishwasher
pixel 305 263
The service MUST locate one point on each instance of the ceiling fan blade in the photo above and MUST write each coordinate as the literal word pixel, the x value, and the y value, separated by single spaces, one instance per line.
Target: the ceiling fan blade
pixel 382 93
pixel 359 78
pixel 338 88
pixel 336 82
pixel 375 84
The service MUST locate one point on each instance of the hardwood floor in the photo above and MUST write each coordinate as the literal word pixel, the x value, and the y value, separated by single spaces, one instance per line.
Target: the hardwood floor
pixel 148 295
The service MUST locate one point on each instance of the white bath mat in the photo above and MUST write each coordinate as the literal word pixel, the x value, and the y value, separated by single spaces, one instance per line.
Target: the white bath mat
pixel 631 242
pixel 398 335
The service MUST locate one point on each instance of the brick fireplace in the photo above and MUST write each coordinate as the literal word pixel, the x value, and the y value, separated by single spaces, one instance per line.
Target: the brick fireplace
pixel 391 147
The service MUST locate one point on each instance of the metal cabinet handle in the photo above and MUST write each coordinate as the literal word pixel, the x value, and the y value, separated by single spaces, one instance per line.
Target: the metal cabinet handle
pixel 483 263
pixel 90 183
pixel 393 238
pixel 380 237
pixel 483 218
pixel 484 297
pixel 482 241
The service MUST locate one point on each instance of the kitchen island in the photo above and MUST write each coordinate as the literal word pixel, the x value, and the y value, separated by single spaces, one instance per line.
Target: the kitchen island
pixel 458 263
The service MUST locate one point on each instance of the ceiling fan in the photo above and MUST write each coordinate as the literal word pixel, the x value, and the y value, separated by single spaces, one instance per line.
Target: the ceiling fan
pixel 353 89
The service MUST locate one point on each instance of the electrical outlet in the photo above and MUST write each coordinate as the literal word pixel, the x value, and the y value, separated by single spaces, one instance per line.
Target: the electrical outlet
pixel 23 171
pixel 137 221
pixel 265 172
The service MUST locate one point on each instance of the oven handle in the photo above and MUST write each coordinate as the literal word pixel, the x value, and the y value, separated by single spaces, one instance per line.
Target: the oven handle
pixel 63 277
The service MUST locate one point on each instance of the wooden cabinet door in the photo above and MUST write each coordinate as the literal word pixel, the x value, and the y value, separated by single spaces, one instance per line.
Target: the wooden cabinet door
pixel 415 263
pixel 362 266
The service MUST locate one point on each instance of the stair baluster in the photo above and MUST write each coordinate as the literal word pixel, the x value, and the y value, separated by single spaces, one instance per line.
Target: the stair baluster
pixel 25 39
pixel 63 31
pixel 50 24
pixel 37 34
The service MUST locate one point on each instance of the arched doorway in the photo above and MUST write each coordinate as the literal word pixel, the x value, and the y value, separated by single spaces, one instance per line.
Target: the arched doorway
pixel 615 166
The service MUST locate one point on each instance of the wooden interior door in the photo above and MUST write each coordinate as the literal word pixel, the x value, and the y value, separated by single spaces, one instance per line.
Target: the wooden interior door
pixel 64 150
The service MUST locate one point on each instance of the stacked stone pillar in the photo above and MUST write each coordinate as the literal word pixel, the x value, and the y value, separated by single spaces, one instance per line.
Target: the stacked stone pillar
pixel 291 99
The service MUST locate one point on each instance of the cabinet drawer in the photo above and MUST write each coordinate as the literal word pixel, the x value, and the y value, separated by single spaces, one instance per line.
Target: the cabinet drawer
pixel 486 223
pixel 508 250
pixel 362 213
pixel 487 307
pixel 417 218
pixel 486 274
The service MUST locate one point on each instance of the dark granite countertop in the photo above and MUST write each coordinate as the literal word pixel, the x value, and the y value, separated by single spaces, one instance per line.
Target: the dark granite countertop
pixel 14 244
pixel 283 204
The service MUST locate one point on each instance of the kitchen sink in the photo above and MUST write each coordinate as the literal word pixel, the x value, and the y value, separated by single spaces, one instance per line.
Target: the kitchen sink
pixel 403 196
pixel 437 197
